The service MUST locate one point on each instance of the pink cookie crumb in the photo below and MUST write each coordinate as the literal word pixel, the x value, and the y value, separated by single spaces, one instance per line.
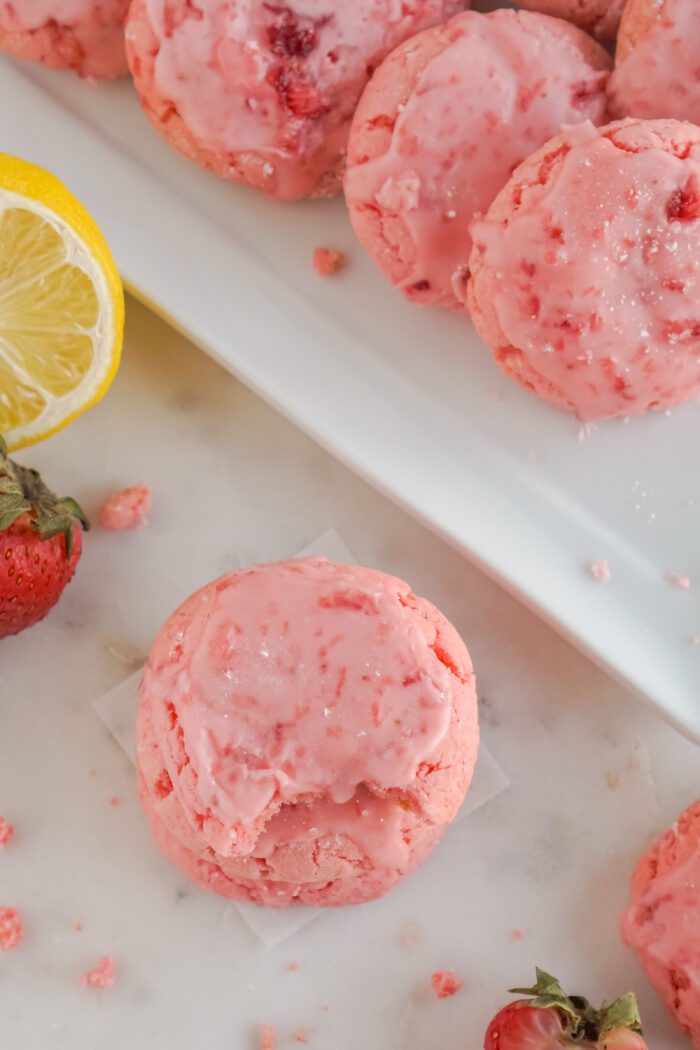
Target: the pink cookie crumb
pixel 409 936
pixel 77 925
pixel 104 975
pixel 115 801
pixel 303 1034
pixel 600 571
pixel 6 832
pixel 518 935
pixel 11 929
pixel 328 261
pixel 267 1037
pixel 126 509
pixel 293 966
pixel 445 983
pixel 678 579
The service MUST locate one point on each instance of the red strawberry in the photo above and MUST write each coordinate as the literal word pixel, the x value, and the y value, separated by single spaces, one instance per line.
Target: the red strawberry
pixel 40 545
pixel 549 1019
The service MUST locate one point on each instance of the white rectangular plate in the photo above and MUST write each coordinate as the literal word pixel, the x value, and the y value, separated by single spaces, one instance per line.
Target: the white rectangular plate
pixel 408 398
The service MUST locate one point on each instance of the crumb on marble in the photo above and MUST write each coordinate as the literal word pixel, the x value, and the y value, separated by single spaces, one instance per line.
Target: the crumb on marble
pixel 328 261
pixel 678 579
pixel 600 571
pixel 115 801
pixel 6 832
pixel 409 936
pixel 104 975
pixel 126 509
pixel 267 1037
pixel 293 966
pixel 518 935
pixel 303 1034
pixel 445 983
pixel 77 925
pixel 613 780
pixel 11 929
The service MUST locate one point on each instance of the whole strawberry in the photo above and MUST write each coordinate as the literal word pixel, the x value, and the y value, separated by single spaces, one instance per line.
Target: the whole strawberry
pixel 549 1019
pixel 40 545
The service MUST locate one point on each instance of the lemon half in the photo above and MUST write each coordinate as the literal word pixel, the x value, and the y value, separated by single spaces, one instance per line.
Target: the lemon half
pixel 61 306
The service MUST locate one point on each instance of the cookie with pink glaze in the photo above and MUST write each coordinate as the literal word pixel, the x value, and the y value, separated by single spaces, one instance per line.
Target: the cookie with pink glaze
pixel 662 922
pixel 306 732
pixel 429 148
pixel 263 93
pixel 586 269
pixel 84 35
pixel 657 67
pixel 600 17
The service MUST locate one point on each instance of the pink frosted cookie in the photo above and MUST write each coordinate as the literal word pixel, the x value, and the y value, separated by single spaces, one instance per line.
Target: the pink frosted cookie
pixel 263 93
pixel 600 17
pixel 662 922
pixel 306 733
pixel 427 151
pixel 657 70
pixel 586 269
pixel 84 35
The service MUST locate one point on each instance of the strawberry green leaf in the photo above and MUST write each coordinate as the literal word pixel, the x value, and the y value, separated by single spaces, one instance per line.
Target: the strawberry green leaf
pixel 622 1013
pixel 23 492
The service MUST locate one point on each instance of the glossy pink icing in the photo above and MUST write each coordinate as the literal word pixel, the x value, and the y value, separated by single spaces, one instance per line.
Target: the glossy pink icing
pixel 663 925
pixel 278 79
pixel 293 685
pixel 660 77
pixel 95 25
pixel 454 145
pixel 597 284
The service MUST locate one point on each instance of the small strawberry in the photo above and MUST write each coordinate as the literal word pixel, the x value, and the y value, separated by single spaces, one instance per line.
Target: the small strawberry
pixel 40 545
pixel 549 1019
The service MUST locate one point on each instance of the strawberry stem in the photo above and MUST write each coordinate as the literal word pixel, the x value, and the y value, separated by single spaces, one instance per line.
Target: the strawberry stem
pixel 582 1022
pixel 23 492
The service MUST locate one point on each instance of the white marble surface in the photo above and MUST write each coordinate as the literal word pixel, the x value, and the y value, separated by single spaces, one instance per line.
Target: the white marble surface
pixel 594 775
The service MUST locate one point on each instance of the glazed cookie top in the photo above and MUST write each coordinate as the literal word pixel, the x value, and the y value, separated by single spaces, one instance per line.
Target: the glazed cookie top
pixel 38 13
pixel 588 263
pixel 300 679
pixel 663 919
pixel 659 74
pixel 429 148
pixel 260 77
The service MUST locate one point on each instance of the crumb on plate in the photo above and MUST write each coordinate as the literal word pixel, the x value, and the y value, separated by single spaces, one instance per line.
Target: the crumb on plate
pixel 518 935
pixel 104 975
pixel 11 929
pixel 77 925
pixel 303 1034
pixel 126 509
pixel 600 571
pixel 6 832
pixel 115 801
pixel 445 983
pixel 678 579
pixel 328 261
